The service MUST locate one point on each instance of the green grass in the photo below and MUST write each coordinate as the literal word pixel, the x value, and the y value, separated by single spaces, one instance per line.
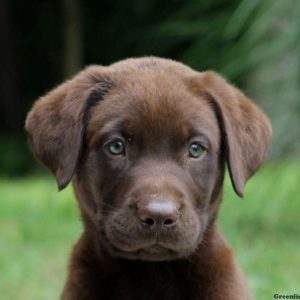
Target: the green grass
pixel 264 229
pixel 38 227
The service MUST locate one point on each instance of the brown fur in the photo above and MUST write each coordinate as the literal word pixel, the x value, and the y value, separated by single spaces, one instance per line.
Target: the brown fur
pixel 149 214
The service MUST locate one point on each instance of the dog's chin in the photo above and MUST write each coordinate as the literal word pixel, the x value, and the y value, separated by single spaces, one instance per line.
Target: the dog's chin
pixel 151 253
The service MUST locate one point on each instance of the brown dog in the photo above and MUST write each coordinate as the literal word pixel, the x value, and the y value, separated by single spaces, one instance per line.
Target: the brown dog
pixel 145 142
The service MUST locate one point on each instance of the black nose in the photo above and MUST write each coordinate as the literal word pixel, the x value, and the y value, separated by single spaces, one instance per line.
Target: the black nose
pixel 158 212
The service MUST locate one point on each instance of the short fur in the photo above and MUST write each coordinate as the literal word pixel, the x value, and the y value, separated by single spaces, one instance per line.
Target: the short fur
pixel 157 107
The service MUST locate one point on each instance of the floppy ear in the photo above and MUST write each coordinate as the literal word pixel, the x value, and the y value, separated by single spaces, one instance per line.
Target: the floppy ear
pixel 246 130
pixel 56 123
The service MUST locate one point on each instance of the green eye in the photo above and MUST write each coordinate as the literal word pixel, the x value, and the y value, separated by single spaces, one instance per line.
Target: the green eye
pixel 116 147
pixel 196 150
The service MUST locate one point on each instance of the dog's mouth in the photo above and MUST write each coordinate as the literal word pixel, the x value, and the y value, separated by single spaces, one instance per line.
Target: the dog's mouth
pixel 150 252
pixel 153 252
pixel 135 243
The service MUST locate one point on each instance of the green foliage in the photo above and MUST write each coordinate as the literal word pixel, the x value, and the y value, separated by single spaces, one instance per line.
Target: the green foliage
pixel 269 53
pixel 38 227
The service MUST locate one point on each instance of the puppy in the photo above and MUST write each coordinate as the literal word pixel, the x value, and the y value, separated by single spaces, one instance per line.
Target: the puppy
pixel 145 142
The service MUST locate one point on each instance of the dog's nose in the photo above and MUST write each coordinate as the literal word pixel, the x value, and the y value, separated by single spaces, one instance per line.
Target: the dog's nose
pixel 159 213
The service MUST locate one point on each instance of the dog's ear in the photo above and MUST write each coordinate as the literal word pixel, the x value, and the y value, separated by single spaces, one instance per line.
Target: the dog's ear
pixel 56 123
pixel 245 130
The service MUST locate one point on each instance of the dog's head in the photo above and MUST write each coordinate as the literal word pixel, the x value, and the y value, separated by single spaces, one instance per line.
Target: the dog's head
pixel 145 142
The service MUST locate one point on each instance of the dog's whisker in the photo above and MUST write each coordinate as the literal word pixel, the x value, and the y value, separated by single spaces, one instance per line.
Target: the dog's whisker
pixel 108 205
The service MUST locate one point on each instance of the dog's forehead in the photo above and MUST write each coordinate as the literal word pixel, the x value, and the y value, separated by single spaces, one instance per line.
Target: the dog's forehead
pixel 156 104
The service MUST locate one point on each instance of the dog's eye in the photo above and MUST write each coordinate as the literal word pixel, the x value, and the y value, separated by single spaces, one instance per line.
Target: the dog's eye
pixel 196 150
pixel 116 147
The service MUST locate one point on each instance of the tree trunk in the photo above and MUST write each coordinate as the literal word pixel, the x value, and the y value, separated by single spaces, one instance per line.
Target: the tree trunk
pixel 73 46
pixel 8 85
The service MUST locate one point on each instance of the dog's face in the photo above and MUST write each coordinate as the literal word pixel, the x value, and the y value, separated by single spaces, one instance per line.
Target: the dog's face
pixel 148 140
pixel 152 163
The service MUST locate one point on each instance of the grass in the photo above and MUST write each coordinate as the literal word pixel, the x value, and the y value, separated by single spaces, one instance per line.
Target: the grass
pixel 264 229
pixel 38 227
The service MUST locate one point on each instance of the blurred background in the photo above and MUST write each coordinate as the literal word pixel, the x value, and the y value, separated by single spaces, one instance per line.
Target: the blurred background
pixel 253 43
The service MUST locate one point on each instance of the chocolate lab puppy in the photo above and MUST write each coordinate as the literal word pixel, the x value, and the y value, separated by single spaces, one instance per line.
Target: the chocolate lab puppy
pixel 145 142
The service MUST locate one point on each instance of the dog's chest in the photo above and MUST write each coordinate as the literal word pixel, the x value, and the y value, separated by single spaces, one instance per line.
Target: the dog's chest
pixel 153 283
